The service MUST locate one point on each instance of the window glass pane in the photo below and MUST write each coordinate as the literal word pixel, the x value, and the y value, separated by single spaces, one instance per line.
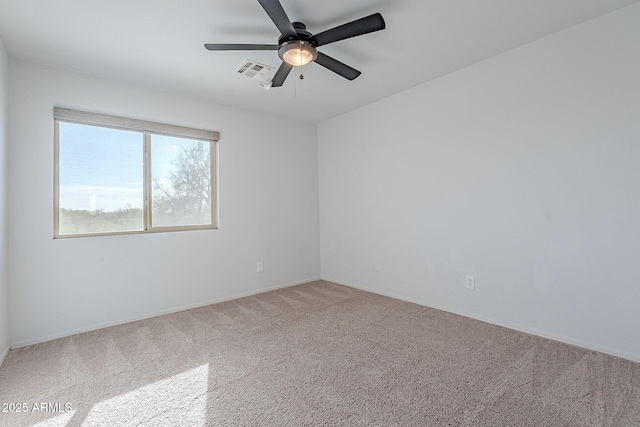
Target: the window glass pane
pixel 181 181
pixel 100 180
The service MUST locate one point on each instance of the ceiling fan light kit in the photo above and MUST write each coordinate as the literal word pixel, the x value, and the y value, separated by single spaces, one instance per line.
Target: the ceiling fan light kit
pixel 297 53
pixel 297 46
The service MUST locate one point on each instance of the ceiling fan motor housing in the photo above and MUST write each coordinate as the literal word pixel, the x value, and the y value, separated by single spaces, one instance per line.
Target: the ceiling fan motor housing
pixel 301 31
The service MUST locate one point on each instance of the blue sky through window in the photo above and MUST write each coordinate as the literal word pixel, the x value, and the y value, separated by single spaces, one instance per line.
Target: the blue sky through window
pixel 102 168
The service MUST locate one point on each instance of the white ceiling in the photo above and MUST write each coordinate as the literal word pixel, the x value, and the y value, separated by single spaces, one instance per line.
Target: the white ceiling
pixel 159 43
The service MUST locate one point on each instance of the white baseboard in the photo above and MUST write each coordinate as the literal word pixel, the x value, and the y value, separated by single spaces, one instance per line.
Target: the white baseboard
pixel 3 355
pixel 153 314
pixel 514 326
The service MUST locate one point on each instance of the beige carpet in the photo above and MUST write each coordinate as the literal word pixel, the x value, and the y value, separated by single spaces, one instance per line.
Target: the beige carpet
pixel 315 354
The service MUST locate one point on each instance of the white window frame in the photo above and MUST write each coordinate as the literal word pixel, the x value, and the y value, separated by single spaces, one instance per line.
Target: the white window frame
pixel 148 129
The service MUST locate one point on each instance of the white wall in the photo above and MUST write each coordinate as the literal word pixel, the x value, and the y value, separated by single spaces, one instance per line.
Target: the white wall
pixel 4 210
pixel 268 202
pixel 522 170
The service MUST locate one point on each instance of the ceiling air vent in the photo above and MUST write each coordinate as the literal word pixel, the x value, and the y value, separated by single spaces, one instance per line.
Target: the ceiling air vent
pixel 262 73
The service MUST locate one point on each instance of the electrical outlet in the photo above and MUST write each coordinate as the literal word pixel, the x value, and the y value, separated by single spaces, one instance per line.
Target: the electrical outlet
pixel 470 283
pixel 260 267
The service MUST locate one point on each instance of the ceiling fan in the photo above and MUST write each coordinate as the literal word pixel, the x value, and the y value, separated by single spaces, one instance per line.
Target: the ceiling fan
pixel 296 46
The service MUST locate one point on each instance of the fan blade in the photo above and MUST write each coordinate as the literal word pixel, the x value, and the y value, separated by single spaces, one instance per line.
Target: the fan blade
pixel 281 74
pixel 279 17
pixel 361 26
pixel 241 46
pixel 337 66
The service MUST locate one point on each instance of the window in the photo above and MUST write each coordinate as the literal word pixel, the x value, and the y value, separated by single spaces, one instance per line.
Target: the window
pixel 115 175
